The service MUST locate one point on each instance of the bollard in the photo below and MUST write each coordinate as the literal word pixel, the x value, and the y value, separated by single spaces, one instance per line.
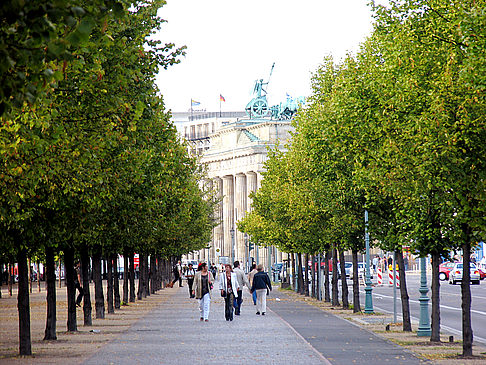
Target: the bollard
pixel 380 277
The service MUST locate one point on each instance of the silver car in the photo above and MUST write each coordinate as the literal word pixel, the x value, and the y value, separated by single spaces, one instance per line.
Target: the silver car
pixel 455 274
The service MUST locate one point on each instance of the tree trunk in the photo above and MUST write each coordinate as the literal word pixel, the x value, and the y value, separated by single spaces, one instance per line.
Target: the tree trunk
pixel 72 325
pixel 294 279
pixel 50 277
pixel 467 333
pixel 146 277
pixel 327 293
pixel 25 345
pixel 85 266
pixel 407 323
pixel 125 277
pixel 60 274
pixel 159 272
pixel 306 274
pixel 29 270
pixel 153 274
pixel 116 282
pixel 344 283
pixel 141 272
pixel 335 289
pixel 98 284
pixel 10 279
pixel 356 304
pixel 313 276
pixel 38 277
pixel 109 285
pixel 300 278
pixel 132 278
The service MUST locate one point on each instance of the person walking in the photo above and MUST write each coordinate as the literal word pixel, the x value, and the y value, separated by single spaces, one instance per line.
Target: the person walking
pixel 177 270
pixel 202 290
pixel 261 284
pixel 228 284
pixel 250 279
pixel 242 281
pixel 77 284
pixel 190 272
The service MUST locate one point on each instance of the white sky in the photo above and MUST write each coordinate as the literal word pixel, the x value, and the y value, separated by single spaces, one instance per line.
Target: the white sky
pixel 231 43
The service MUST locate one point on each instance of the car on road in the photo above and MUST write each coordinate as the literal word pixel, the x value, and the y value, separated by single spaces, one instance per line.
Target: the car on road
pixel 455 274
pixel 361 270
pixel 444 270
pixel 482 273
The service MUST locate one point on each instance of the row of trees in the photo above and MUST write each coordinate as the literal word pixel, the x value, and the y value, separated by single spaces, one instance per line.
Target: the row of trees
pixel 397 129
pixel 90 167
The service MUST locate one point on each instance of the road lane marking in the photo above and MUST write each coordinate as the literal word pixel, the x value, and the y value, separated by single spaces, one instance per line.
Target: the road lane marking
pixel 418 302
pixel 447 328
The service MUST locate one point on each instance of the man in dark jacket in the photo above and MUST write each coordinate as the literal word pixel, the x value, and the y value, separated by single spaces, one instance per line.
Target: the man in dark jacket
pixel 261 284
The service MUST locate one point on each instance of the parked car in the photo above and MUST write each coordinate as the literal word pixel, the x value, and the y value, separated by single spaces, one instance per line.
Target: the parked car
pixel 482 273
pixel 361 270
pixel 455 274
pixel 444 270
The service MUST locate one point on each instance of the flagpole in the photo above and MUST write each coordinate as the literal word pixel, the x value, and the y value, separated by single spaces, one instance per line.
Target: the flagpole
pixel 220 106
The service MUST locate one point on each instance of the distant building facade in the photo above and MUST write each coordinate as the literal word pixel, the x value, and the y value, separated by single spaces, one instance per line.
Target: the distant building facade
pixel 234 149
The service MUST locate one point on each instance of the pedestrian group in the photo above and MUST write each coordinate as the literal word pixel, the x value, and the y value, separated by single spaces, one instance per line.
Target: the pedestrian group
pixel 232 280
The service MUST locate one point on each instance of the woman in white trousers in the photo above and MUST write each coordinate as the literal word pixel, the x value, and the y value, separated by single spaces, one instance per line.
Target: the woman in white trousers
pixel 203 283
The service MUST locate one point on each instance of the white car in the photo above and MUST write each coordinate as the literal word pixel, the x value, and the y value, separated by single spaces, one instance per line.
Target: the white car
pixel 361 270
pixel 455 274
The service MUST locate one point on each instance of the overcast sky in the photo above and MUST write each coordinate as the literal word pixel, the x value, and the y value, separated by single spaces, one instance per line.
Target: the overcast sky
pixel 232 43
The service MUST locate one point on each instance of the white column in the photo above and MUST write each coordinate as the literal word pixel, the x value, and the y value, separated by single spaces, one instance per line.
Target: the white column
pixel 218 235
pixel 251 179
pixel 263 251
pixel 228 214
pixel 240 202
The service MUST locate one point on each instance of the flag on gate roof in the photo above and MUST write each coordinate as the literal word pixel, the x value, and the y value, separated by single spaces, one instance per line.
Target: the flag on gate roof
pixel 221 98
pixel 194 102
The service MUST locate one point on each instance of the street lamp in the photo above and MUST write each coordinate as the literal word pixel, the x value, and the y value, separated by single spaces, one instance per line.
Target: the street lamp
pixel 247 246
pixel 424 322
pixel 368 289
pixel 232 232
pixel 209 261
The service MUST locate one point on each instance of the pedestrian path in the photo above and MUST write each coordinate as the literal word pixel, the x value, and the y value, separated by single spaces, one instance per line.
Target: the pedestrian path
pixel 292 332
pixel 173 334
pixel 339 340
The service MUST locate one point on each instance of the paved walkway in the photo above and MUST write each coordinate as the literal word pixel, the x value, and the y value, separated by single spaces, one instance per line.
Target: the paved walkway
pixel 291 333
pixel 340 341
pixel 173 334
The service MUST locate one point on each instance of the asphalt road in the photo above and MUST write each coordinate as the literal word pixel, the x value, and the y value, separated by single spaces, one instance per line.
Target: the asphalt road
pixel 450 304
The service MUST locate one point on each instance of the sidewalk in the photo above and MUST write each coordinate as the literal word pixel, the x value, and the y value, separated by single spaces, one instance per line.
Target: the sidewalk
pixel 173 334
pixel 339 340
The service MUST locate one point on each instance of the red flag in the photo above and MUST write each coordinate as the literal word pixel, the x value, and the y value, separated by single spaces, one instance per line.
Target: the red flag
pixel 221 98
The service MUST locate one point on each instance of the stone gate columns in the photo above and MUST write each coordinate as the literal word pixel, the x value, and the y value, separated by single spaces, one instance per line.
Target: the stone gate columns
pixel 262 251
pixel 218 235
pixel 228 215
pixel 240 202
pixel 251 183
pixel 251 186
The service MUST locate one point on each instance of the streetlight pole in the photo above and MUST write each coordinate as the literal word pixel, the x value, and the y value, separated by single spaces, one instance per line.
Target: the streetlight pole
pixel 424 329
pixel 232 232
pixel 247 245
pixel 368 289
